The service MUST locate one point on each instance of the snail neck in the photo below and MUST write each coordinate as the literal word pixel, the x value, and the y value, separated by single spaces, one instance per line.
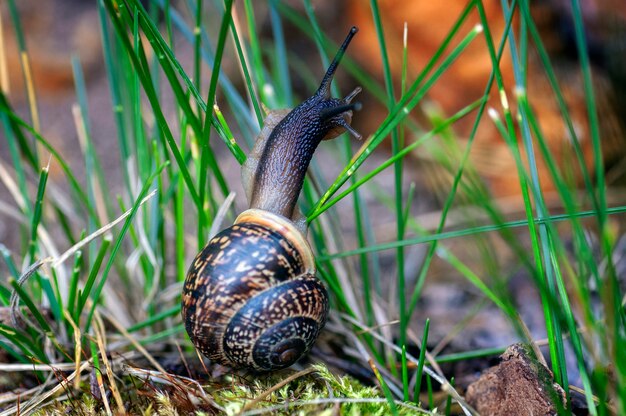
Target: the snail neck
pixel 274 177
pixel 283 163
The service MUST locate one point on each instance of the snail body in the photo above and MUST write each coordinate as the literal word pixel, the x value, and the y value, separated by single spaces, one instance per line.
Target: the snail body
pixel 251 298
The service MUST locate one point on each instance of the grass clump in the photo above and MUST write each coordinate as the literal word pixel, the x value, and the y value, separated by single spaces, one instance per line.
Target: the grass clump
pixel 93 276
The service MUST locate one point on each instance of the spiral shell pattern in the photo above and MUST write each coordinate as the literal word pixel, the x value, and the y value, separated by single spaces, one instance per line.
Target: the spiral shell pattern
pixel 251 298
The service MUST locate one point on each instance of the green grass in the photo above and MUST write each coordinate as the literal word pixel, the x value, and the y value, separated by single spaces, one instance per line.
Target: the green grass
pixel 179 124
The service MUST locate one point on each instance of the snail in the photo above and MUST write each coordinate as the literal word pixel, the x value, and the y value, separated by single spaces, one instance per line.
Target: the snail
pixel 251 298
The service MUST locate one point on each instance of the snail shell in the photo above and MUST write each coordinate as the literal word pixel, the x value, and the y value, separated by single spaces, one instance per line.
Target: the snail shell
pixel 251 298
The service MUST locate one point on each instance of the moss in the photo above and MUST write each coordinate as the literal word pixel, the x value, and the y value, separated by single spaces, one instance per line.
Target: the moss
pixel 318 392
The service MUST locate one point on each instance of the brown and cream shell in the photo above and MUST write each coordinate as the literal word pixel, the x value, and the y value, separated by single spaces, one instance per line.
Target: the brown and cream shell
pixel 251 298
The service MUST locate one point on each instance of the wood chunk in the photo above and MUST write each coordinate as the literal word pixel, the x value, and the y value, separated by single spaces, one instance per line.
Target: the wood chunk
pixel 519 385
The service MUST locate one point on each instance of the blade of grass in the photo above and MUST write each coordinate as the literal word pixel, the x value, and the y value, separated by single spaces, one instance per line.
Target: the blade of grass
pixel 6 255
pixel 206 134
pixel 75 276
pixel 118 242
pixel 37 210
pixel 266 90
pixel 197 47
pixel 457 177
pixel 26 68
pixel 173 311
pixel 75 185
pixel 29 347
pixel 449 400
pixel 396 145
pixel 281 67
pixel 400 154
pixel 91 278
pixel 399 113
pixel 420 363
pixel 13 352
pixel 98 376
pixel 30 304
pixel 385 388
pixel 466 232
pixel 615 315
pixel 469 355
pixel 93 169
pixel 17 165
pixel 252 91
pixel 540 243
pixel 115 90
pixel 405 375
pixel 27 149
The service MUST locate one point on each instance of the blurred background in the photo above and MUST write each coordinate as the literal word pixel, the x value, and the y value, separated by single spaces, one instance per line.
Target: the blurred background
pixel 56 30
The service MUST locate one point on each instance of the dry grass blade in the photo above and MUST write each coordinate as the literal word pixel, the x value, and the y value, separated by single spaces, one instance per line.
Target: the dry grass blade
pixel 100 339
pixel 30 88
pixel 57 367
pixel 103 394
pixel 342 270
pixel 34 404
pixel 165 378
pixel 12 187
pixel 13 396
pixel 216 226
pixel 275 387
pixel 336 401
pixel 37 367
pixel 183 385
pixel 63 257
pixel 134 342
pixel 81 132
pixel 77 344
pixel 16 314
pixel 378 326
